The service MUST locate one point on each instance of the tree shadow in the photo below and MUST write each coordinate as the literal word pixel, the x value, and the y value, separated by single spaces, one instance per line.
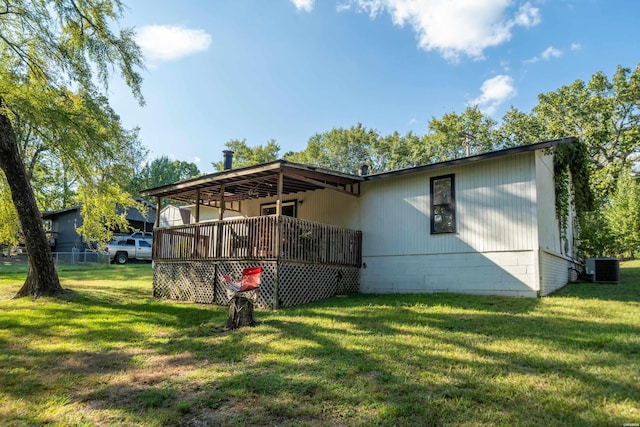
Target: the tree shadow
pixel 364 360
pixel 628 290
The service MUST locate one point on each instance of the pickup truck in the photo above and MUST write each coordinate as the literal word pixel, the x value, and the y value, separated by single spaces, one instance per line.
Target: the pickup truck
pixel 123 250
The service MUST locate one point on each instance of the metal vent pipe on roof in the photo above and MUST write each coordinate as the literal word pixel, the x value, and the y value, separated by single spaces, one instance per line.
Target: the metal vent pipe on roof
pixel 228 159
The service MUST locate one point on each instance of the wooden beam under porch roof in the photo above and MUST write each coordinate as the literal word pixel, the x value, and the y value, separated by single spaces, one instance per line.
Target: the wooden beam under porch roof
pixel 229 186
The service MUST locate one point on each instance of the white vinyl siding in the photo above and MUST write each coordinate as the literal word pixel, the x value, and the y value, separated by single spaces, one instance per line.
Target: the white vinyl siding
pixel 507 239
pixel 495 210
pixel 548 230
pixel 493 250
pixel 554 272
pixel 323 206
pixel 495 273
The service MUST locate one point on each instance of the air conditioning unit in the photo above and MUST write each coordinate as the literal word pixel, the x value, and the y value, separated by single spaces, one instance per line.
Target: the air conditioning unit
pixel 603 270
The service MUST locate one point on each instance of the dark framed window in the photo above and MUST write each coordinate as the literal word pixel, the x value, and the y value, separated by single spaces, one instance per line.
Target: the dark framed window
pixel 288 208
pixel 443 204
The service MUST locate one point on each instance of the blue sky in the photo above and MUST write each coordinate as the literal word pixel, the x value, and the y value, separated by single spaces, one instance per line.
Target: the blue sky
pixel 286 69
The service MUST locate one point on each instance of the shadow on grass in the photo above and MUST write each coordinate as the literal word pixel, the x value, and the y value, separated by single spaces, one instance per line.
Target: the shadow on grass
pixel 364 360
pixel 628 290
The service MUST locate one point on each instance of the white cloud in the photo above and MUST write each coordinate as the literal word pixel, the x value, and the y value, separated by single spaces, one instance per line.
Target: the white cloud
pixel 547 54
pixel 168 43
pixel 343 7
pixel 196 159
pixel 303 5
pixel 576 46
pixel 551 52
pixel 495 91
pixel 453 27
pixel 528 16
pixel 413 121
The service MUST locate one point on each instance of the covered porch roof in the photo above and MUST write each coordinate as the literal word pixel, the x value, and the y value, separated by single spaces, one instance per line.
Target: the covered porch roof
pixel 256 182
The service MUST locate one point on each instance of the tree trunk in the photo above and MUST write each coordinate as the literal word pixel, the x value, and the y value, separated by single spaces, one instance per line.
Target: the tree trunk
pixel 240 313
pixel 42 278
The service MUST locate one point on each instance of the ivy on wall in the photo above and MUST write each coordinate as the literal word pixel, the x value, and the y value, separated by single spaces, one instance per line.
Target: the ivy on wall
pixel 572 186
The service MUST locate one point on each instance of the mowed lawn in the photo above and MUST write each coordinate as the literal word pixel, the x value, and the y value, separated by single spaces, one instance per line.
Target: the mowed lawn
pixel 107 353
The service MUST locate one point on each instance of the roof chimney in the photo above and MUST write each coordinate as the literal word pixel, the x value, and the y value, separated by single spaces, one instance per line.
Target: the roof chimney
pixel 228 159
pixel 363 170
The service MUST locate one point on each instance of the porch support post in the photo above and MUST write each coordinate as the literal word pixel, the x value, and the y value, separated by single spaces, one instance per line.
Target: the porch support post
pixel 218 248
pixel 222 202
pixel 158 205
pixel 196 232
pixel 278 245
pixel 276 291
pixel 197 214
pixel 279 199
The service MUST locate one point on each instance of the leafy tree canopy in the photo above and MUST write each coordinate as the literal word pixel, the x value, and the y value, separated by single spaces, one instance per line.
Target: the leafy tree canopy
pixel 452 136
pixel 623 215
pixel 9 222
pixel 56 58
pixel 340 149
pixel 603 113
pixel 161 171
pixel 461 135
pixel 243 155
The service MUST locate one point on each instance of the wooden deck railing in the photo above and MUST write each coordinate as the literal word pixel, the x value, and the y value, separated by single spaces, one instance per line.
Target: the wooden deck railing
pixel 260 238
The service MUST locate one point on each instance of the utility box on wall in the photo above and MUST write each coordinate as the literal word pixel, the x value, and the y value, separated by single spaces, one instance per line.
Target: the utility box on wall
pixel 603 270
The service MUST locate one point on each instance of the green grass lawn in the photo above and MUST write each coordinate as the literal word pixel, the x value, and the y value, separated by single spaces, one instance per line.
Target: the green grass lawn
pixel 109 354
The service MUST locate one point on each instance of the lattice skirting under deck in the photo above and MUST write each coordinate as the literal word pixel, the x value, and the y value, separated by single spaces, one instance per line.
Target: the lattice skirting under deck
pixel 297 283
pixel 302 283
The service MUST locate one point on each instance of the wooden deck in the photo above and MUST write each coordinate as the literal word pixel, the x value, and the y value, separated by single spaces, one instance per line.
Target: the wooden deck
pixel 302 261
pixel 264 238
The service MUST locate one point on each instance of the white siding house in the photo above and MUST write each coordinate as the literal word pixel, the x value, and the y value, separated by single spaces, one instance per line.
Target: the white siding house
pixel 172 215
pixel 506 238
pixel 484 224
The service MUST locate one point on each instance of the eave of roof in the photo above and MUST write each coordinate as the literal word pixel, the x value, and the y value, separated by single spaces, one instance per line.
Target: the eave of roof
pixel 50 214
pixel 478 157
pixel 259 179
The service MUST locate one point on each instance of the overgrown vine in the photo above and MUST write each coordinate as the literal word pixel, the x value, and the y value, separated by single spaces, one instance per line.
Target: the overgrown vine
pixel 572 186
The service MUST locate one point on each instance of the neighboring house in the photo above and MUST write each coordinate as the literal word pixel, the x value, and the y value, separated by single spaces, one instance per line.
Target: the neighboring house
pixel 484 224
pixel 172 215
pixel 61 226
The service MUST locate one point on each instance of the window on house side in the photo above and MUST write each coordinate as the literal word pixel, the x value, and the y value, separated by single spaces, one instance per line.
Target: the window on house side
pixel 288 208
pixel 443 204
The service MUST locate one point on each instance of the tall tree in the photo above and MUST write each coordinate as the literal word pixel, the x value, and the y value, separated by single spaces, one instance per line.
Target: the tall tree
pixel 339 149
pixel 623 215
pixel 53 45
pixel 243 155
pixel 393 151
pixel 461 135
pixel 161 171
pixel 603 113
pixel 519 128
pixel 9 221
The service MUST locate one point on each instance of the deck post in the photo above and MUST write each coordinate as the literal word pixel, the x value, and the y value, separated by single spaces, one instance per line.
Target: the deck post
pixel 222 203
pixel 218 248
pixel 196 231
pixel 158 206
pixel 197 214
pixel 276 291
pixel 279 199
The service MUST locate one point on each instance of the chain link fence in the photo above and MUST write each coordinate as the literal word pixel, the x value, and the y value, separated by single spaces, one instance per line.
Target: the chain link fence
pixel 81 257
